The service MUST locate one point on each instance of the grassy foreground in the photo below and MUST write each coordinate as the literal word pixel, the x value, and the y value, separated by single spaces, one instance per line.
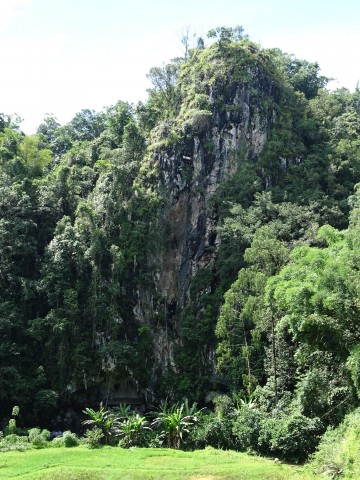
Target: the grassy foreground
pixel 141 463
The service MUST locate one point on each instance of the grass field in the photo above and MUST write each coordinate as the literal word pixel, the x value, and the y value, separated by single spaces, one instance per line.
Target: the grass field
pixel 146 464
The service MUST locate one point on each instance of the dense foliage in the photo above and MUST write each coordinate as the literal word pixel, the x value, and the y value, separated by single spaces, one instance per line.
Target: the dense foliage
pixel 272 316
pixel 339 451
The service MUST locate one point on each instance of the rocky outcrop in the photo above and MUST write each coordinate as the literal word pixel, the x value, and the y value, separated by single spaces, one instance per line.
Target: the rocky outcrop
pixel 190 174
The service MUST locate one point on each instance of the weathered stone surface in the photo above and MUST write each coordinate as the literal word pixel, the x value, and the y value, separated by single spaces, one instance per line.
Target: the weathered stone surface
pixel 188 225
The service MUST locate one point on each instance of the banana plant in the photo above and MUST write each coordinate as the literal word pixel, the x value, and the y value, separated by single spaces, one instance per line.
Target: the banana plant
pixel 123 411
pixel 175 422
pixel 132 431
pixel 102 419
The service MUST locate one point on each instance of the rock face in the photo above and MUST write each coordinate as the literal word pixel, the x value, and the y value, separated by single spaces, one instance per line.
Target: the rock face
pixel 191 174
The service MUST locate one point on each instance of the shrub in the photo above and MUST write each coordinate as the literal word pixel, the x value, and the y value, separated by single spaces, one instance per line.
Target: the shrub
pixel 70 439
pixel 93 437
pixel 154 440
pixel 292 437
pixel 38 438
pixel 338 453
pixel 224 405
pixel 57 442
pixel 33 433
pixel 215 430
pixel 246 428
pixel 14 442
pixel 39 442
pixel 12 426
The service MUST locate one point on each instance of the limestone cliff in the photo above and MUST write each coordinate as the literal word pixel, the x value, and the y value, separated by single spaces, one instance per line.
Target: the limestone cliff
pixel 209 149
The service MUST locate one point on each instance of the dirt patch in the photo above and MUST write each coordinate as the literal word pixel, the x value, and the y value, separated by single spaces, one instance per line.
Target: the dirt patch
pixel 203 477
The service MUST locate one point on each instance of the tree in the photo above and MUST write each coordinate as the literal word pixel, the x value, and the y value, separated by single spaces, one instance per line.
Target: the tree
pixel 117 117
pixel 164 95
pixel 315 299
pixel 9 142
pixel 48 128
pixel 226 35
pixel 185 39
pixel 87 125
pixel 239 352
pixel 35 158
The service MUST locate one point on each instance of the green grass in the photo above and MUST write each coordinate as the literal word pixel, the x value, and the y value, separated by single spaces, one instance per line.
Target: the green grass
pixel 141 463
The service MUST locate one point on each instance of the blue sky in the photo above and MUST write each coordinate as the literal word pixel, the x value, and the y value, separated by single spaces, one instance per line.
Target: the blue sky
pixel 60 56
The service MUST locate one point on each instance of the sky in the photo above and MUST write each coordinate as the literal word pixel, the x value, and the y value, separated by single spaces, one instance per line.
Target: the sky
pixel 61 56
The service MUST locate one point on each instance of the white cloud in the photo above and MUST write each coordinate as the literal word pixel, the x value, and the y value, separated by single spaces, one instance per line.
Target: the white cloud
pixel 59 67
pixel 58 74
pixel 335 51
pixel 9 10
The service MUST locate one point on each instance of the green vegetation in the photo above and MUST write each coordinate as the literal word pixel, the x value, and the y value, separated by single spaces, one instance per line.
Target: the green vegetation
pixel 338 455
pixel 113 464
pixel 202 245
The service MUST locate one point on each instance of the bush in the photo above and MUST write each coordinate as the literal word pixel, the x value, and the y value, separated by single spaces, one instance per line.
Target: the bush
pixel 338 453
pixel 246 428
pixel 94 437
pixel 215 430
pixel 154 440
pixel 57 442
pixel 38 438
pixel 293 437
pixel 14 442
pixel 70 439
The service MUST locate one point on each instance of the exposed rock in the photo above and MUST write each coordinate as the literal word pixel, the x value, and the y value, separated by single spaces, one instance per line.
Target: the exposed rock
pixel 191 175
